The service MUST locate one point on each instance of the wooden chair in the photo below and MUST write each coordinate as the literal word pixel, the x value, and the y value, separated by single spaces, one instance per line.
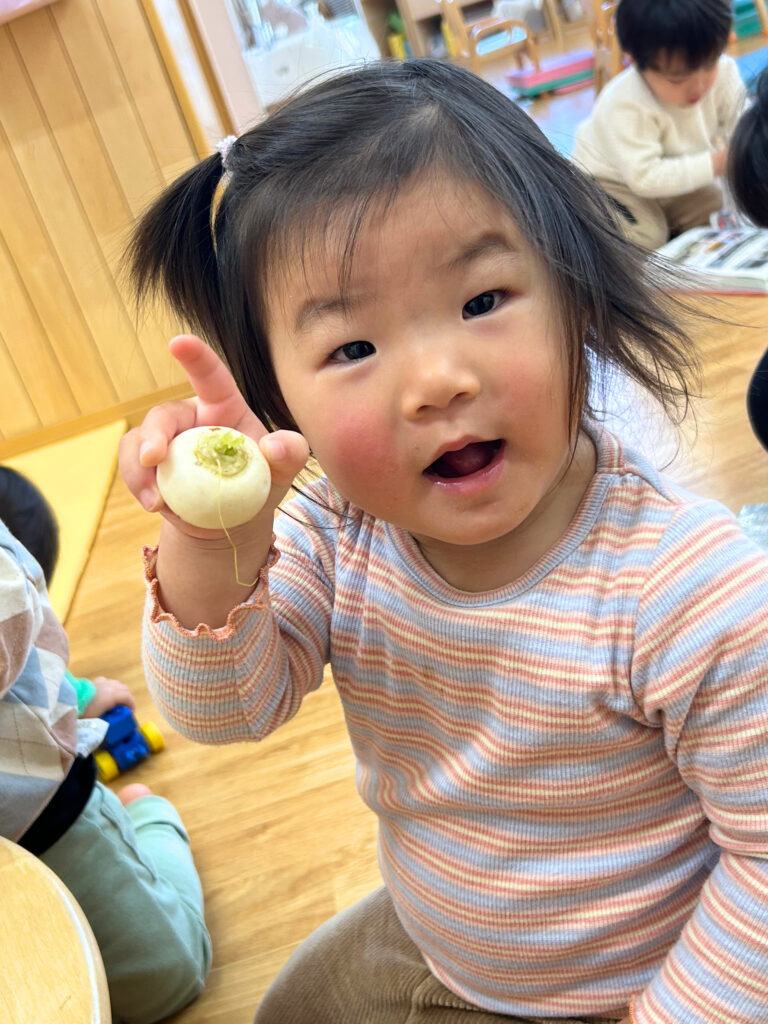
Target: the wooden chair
pixel 600 15
pixel 515 11
pixel 488 38
pixel 51 968
pixel 552 14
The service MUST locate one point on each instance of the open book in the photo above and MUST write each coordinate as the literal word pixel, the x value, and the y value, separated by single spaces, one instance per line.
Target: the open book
pixel 722 259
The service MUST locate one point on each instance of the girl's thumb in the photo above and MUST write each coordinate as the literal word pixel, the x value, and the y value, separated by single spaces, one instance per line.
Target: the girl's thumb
pixel 286 452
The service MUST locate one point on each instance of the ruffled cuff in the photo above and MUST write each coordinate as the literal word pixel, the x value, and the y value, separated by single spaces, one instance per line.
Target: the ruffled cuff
pixel 257 600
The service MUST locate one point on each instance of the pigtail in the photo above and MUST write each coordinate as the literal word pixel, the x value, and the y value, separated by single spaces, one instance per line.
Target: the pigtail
pixel 198 246
pixel 173 250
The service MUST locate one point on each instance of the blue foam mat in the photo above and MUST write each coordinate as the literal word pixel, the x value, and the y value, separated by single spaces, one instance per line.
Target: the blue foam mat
pixel 751 64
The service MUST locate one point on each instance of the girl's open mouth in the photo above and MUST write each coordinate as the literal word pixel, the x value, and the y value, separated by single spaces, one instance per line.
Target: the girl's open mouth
pixel 463 462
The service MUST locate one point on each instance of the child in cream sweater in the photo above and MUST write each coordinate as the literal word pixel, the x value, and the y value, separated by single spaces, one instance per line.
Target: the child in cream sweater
pixel 656 140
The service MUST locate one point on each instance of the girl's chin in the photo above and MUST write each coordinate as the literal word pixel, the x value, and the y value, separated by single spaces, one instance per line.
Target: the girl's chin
pixel 467 539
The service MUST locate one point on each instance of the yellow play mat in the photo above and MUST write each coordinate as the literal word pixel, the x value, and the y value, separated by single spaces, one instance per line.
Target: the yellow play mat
pixel 75 476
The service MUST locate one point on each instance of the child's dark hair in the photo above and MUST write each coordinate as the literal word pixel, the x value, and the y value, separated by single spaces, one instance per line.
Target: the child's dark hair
pixel 30 518
pixel 349 146
pixel 748 157
pixel 698 30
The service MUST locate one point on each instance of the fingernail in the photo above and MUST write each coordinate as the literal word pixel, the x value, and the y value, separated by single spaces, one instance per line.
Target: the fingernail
pixel 144 451
pixel 275 449
pixel 148 499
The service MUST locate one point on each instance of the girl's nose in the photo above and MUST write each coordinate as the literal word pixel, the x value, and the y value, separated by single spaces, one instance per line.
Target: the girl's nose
pixel 435 381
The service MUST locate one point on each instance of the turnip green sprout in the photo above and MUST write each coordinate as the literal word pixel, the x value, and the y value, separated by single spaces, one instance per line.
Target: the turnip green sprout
pixel 214 477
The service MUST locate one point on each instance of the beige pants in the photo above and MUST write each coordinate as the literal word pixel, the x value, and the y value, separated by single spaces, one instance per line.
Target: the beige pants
pixel 657 220
pixel 361 968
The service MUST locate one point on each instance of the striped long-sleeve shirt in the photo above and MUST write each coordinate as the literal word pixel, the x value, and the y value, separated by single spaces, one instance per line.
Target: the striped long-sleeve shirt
pixel 570 772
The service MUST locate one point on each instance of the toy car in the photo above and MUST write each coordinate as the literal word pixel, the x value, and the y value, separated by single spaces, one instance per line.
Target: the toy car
pixel 126 743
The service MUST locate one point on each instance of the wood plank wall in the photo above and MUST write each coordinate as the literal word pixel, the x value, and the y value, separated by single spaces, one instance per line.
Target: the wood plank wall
pixel 91 127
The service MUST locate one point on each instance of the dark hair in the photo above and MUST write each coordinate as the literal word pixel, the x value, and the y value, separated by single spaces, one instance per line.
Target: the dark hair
pixel 30 518
pixel 354 141
pixel 748 157
pixel 698 30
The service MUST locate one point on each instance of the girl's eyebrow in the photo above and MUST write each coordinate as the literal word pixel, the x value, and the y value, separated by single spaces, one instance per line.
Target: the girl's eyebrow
pixel 487 246
pixel 315 309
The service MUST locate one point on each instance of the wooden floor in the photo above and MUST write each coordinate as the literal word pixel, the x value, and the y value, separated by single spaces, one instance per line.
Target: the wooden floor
pixel 280 837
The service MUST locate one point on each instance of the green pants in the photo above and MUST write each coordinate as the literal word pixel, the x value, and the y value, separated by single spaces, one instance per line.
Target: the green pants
pixel 131 870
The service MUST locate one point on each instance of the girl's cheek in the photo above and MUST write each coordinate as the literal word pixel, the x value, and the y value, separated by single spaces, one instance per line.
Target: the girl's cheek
pixel 354 446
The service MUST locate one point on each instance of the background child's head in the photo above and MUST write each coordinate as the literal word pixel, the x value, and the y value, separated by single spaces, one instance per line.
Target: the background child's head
pixel 675 44
pixel 342 152
pixel 30 518
pixel 748 157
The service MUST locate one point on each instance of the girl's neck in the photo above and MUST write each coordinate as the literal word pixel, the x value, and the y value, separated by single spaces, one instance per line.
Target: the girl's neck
pixel 485 567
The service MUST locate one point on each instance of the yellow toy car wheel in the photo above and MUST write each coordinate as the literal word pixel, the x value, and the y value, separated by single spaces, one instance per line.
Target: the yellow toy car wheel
pixel 106 766
pixel 153 736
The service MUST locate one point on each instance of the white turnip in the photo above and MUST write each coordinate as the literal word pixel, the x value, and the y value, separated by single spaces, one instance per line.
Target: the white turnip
pixel 214 477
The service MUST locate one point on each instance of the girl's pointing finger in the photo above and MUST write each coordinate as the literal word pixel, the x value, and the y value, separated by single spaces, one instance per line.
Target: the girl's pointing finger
pixel 221 401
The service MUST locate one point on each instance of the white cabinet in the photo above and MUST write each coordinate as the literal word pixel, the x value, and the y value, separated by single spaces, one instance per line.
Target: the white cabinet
pixel 258 58
pixel 299 57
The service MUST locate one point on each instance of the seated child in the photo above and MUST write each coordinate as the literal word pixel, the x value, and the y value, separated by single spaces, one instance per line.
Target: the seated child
pixel 551 659
pixel 31 520
pixel 656 139
pixel 125 858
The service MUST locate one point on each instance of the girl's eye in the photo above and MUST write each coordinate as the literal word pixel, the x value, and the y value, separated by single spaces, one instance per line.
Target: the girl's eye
pixel 481 304
pixel 352 352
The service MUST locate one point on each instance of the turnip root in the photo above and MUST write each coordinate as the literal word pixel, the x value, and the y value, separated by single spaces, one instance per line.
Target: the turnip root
pixel 214 477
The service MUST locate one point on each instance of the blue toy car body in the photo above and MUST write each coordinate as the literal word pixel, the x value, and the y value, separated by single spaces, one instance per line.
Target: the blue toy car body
pixel 125 744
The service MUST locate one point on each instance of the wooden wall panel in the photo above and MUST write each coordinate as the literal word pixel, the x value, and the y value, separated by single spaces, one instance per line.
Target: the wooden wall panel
pixel 111 109
pixel 52 102
pixel 45 397
pixel 156 105
pixel 34 254
pixel 91 128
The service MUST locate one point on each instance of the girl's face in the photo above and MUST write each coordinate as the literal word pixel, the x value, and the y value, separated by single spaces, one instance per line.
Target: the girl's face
pixel 434 391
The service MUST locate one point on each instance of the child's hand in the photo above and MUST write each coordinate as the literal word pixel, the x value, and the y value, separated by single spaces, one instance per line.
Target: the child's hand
pixel 217 403
pixel 109 693
pixel 720 161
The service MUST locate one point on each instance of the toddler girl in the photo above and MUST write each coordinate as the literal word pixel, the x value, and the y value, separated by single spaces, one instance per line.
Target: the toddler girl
pixel 552 660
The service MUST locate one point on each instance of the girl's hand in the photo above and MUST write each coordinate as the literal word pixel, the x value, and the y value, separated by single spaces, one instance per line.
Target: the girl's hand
pixel 217 402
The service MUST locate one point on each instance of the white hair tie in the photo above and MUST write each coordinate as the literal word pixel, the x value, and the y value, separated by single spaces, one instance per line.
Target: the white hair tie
pixel 224 146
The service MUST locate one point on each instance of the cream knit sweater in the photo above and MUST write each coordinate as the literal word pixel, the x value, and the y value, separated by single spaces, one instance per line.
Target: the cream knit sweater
pixel 658 150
